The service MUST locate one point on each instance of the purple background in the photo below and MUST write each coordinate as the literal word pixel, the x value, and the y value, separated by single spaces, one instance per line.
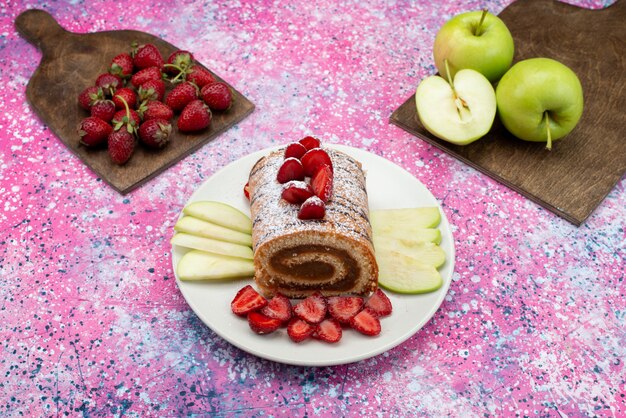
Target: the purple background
pixel 91 319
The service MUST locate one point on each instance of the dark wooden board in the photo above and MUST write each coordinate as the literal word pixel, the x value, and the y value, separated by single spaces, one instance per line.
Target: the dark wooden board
pixel 70 62
pixel 582 168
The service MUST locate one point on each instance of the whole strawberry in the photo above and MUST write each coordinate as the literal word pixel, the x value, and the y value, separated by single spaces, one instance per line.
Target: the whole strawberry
pixel 194 117
pixel 145 75
pixel 103 109
pixel 199 76
pixel 89 96
pixel 122 65
pixel 151 90
pixel 93 131
pixel 128 95
pixel 155 133
pixel 109 83
pixel 155 110
pixel 122 117
pixel 217 95
pixel 178 61
pixel 146 56
pixel 181 95
pixel 121 145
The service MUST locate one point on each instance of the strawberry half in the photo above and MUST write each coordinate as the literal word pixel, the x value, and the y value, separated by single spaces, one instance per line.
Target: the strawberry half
pixel 246 191
pixel 262 324
pixel 247 300
pixel 312 208
pixel 312 309
pixel 290 170
pixel 366 323
pixel 279 307
pixel 322 183
pixel 310 142
pixel 194 117
pixel 296 191
pixel 295 150
pixel 344 308
pixel 299 330
pixel 329 330
pixel 379 304
pixel 314 159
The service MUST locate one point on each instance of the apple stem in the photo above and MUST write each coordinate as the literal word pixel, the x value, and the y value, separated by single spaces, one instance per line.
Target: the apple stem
pixel 480 23
pixel 549 142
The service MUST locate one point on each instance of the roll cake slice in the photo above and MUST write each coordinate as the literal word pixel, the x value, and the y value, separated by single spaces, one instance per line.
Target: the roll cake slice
pixel 333 255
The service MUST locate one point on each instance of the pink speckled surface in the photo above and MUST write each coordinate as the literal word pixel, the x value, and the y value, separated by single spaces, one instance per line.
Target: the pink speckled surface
pixel 91 320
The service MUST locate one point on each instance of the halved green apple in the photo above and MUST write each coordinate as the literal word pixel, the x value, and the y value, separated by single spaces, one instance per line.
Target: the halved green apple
pixel 220 214
pixel 194 226
pixel 211 245
pixel 200 265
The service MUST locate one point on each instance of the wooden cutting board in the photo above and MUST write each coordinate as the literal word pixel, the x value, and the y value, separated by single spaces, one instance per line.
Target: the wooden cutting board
pixel 71 62
pixel 582 168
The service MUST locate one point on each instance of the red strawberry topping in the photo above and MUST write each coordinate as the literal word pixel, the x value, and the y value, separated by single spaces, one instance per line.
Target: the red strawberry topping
pixel 344 308
pixel 314 159
pixel 194 117
pixel 328 330
pixel 295 150
pixel 262 324
pixel 155 133
pixel 93 131
pixel 279 307
pixel 246 301
pixel 246 191
pixel 290 170
pixel 312 208
pixel 103 109
pixel 299 330
pixel 199 76
pixel 181 95
pixel 121 145
pixel 128 95
pixel 296 191
pixel 322 183
pixel 122 65
pixel 142 77
pixel 310 142
pixel 155 110
pixel 379 304
pixel 146 56
pixel 89 96
pixel 151 90
pixel 217 95
pixel 312 309
pixel 366 323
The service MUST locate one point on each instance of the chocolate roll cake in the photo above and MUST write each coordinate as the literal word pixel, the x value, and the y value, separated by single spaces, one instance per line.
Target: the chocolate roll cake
pixel 333 255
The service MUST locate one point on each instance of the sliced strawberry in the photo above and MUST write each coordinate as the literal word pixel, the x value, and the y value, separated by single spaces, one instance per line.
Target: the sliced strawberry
pixel 310 142
pixel 322 183
pixel 290 170
pixel 366 323
pixel 246 191
pixel 312 309
pixel 299 330
pixel 295 150
pixel 379 304
pixel 279 307
pixel 344 308
pixel 296 191
pixel 312 208
pixel 247 300
pixel 314 159
pixel 328 330
pixel 262 324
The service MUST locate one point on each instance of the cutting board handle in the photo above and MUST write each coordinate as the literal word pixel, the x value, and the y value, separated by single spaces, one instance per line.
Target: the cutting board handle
pixel 39 28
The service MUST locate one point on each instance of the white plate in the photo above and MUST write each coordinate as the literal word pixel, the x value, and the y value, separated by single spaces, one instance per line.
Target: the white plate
pixel 388 186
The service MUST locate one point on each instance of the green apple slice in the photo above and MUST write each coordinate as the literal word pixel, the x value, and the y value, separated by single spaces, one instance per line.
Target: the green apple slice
pixel 459 111
pixel 426 252
pixel 200 265
pixel 403 274
pixel 211 245
pixel 220 214
pixel 409 232
pixel 194 226
pixel 424 217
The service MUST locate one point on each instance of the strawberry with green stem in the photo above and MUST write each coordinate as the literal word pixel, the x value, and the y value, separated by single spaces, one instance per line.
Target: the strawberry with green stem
pixel 121 142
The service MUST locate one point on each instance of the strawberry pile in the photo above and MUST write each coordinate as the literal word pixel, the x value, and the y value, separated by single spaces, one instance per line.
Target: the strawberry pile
pixel 318 317
pixel 129 102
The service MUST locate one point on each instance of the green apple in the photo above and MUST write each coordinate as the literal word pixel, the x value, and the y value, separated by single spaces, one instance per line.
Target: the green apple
pixel 194 226
pixel 477 40
pixel 540 100
pixel 200 265
pixel 423 217
pixel 211 245
pixel 404 274
pixel 220 214
pixel 459 111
